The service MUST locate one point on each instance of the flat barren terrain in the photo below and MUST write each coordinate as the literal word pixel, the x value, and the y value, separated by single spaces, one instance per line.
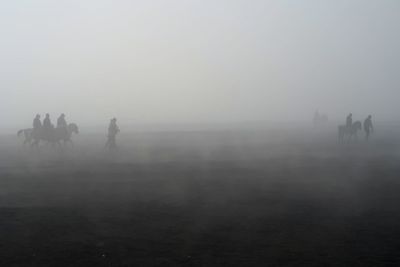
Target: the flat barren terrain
pixel 222 198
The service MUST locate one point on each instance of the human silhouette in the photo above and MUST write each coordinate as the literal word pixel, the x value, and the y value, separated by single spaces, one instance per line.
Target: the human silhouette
pixel 61 122
pixel 47 121
pixel 37 127
pixel 37 123
pixel 349 120
pixel 113 130
pixel 368 127
pixel 47 126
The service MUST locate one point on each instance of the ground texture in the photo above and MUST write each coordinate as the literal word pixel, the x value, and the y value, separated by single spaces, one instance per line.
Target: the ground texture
pixel 224 203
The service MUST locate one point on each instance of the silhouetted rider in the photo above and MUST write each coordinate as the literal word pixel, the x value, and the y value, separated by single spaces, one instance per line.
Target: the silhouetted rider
pixel 47 122
pixel 47 127
pixel 61 122
pixel 349 120
pixel 368 127
pixel 37 124
pixel 37 127
pixel 113 130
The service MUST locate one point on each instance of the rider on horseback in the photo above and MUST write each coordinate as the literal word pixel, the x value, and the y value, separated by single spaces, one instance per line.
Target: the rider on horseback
pixel 47 122
pixel 36 122
pixel 61 122
pixel 48 127
pixel 37 125
pixel 349 120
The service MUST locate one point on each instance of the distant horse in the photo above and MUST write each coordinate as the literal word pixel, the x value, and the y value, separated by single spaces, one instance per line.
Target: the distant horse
pixel 351 131
pixel 55 136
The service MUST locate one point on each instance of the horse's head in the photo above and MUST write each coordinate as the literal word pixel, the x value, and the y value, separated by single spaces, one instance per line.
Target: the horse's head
pixel 73 128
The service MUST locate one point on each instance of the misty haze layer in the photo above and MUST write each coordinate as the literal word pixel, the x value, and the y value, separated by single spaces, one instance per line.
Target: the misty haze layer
pixel 198 61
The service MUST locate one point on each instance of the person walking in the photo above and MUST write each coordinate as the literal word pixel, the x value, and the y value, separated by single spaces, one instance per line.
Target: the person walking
pixel 113 130
pixel 368 127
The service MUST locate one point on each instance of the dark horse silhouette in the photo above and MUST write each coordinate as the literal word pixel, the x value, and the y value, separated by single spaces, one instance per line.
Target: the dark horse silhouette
pixel 54 136
pixel 351 131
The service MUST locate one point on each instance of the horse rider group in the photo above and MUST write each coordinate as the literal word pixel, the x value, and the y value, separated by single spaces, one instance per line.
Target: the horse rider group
pixel 47 128
pixel 368 127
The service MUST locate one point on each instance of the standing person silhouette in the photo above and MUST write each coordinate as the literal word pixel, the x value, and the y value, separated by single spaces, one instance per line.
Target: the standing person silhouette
pixel 368 127
pixel 113 130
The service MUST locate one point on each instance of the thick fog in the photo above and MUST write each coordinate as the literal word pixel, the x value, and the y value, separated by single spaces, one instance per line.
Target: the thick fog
pixel 202 61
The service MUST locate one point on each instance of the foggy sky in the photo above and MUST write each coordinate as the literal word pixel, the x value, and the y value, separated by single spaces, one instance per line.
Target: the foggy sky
pixel 198 60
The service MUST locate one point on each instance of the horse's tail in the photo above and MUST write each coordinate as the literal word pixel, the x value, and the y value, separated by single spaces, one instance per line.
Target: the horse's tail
pixel 19 133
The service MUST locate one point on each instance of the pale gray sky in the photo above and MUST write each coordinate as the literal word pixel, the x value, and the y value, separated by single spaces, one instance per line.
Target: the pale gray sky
pixel 198 60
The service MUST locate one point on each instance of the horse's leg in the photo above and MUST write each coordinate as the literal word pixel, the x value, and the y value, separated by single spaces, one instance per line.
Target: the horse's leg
pixel 54 143
pixel 342 136
pixel 26 139
pixel 35 144
pixel 107 144
pixel 66 141
pixel 71 142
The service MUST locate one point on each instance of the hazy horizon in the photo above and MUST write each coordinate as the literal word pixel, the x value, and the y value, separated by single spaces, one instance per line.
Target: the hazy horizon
pixel 151 62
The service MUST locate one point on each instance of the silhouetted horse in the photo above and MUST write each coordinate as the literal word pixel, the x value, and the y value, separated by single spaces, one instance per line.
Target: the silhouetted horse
pixel 54 136
pixel 351 131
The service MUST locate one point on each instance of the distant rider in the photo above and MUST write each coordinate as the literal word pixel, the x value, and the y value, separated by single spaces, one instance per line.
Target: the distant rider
pixel 47 122
pixel 37 126
pixel 61 122
pixel 349 120
pixel 47 126
pixel 368 127
pixel 37 123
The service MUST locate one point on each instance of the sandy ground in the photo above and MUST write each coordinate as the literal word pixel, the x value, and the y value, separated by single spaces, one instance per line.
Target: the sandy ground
pixel 221 198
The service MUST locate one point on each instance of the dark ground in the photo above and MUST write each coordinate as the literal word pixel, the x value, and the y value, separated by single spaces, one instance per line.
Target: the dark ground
pixel 202 199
